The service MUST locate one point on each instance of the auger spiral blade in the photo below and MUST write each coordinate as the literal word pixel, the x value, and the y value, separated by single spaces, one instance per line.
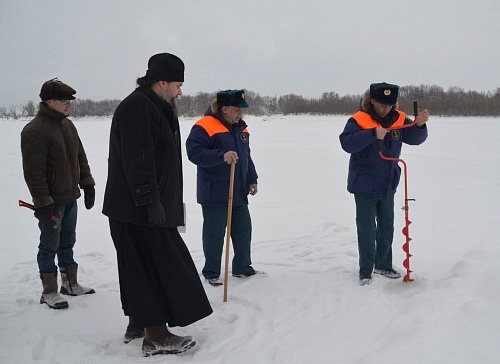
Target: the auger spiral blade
pixel 406 247
pixel 406 228
pixel 406 263
pixel 407 278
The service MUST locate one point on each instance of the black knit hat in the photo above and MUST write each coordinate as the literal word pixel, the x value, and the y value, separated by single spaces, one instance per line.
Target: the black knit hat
pixel 55 89
pixel 165 67
pixel 231 98
pixel 384 93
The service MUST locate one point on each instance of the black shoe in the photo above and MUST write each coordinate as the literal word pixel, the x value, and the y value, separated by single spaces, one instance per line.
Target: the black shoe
pixel 389 273
pixel 216 282
pixel 364 280
pixel 132 333
pixel 253 272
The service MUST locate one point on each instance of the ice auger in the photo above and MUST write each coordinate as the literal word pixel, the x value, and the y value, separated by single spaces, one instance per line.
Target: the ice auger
pixel 406 229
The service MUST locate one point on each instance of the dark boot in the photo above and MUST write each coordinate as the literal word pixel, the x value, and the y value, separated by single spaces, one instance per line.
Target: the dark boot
pixel 49 293
pixel 70 284
pixel 158 340
pixel 132 332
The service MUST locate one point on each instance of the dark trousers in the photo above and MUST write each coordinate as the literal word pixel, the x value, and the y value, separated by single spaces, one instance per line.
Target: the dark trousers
pixel 58 238
pixel 214 230
pixel 375 227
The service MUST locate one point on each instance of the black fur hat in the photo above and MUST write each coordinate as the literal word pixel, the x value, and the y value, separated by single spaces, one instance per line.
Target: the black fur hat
pixel 384 93
pixel 231 98
pixel 165 67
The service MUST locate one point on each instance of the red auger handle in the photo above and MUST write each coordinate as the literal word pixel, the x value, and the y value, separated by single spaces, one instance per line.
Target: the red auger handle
pixel 415 112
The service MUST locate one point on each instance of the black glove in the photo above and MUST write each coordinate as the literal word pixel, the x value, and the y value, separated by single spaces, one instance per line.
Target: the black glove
pixel 89 197
pixel 45 213
pixel 156 214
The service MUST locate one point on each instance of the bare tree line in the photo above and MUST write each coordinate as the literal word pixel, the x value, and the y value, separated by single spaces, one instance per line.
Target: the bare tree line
pixel 79 108
pixel 453 102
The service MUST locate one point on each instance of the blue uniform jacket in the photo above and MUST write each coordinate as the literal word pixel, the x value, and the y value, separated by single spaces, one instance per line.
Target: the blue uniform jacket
pixel 369 175
pixel 206 144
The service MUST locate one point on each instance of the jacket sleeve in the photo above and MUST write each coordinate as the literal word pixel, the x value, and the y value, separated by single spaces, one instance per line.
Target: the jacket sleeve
pixel 354 139
pixel 252 172
pixel 86 178
pixel 199 151
pixel 34 153
pixel 415 135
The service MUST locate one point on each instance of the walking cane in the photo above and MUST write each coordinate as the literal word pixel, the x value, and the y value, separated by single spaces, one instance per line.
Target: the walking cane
pixel 406 208
pixel 228 230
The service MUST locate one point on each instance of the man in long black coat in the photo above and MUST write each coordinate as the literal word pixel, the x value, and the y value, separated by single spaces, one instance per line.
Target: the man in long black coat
pixel 159 283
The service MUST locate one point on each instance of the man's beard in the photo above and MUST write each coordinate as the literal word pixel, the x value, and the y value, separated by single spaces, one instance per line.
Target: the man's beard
pixel 172 103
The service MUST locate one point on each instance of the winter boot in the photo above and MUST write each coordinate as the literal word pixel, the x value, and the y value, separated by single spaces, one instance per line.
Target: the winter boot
pixel 389 273
pixel 132 332
pixel 159 340
pixel 49 293
pixel 70 284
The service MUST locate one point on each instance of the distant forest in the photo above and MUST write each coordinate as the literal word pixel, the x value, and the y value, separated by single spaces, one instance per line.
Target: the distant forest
pixel 453 102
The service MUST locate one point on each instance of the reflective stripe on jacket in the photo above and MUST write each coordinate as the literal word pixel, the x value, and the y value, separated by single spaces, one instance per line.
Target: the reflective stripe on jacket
pixel 212 127
pixel 365 121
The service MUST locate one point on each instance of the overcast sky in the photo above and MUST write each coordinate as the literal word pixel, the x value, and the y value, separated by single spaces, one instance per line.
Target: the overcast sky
pixel 273 47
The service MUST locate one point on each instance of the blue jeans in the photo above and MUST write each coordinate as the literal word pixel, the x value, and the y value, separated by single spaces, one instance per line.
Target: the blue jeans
pixel 58 239
pixel 375 227
pixel 214 230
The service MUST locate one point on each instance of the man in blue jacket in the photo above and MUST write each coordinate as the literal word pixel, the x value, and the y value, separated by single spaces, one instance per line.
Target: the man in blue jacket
pixel 373 180
pixel 215 142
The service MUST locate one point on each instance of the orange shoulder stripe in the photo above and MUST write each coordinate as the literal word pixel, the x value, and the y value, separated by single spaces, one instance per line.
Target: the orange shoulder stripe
pixel 211 125
pixel 365 121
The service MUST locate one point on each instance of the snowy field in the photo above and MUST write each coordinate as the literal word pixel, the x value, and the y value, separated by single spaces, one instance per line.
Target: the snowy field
pixel 309 308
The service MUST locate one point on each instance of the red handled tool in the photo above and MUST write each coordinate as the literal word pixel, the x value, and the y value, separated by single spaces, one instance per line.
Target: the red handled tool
pixel 406 229
pixel 25 204
pixel 54 218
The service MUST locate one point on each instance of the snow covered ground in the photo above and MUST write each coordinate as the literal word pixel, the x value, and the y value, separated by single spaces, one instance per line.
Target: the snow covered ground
pixel 310 307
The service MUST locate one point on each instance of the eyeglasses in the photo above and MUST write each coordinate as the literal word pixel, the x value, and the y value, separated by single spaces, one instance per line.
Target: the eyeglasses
pixel 65 102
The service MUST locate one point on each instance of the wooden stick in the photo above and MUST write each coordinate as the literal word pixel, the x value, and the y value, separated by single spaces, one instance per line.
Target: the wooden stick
pixel 228 229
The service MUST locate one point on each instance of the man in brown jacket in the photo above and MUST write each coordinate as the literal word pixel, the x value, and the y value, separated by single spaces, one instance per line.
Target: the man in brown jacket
pixel 55 168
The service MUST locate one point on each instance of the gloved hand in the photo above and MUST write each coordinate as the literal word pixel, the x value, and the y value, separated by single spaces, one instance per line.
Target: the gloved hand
pixel 45 213
pixel 156 214
pixel 89 197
